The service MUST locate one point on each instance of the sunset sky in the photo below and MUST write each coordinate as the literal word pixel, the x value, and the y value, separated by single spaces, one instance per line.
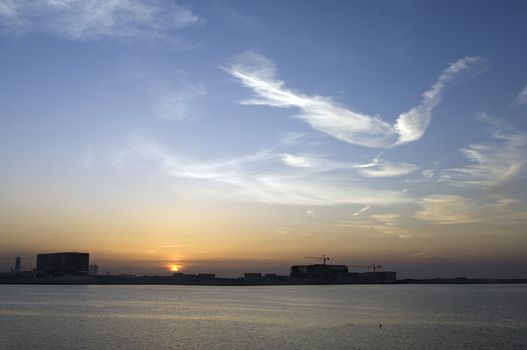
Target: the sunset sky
pixel 242 136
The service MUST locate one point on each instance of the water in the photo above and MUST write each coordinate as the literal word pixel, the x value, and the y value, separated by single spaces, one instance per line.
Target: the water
pixel 270 317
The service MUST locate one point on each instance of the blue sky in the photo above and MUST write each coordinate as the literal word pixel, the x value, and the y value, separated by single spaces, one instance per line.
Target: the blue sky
pixel 397 127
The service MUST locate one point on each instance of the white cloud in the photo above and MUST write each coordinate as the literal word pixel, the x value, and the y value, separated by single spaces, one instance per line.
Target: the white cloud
pixel 377 168
pixel 316 163
pixel 522 97
pixel 366 208
pixel 506 210
pixel 446 209
pixel 299 161
pixel 492 163
pixel 385 169
pixel 412 125
pixel 174 94
pixel 95 19
pixel 322 113
pixel 180 102
pixel 386 218
pixel 429 173
pixel 292 138
pixel 383 223
pixel 495 210
pixel 242 179
pixel 388 226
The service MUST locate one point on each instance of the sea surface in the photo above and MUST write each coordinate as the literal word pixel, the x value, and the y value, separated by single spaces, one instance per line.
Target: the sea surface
pixel 268 317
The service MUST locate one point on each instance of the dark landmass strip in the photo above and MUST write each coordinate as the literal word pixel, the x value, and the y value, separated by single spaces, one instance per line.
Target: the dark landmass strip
pixel 247 280
pixel 74 268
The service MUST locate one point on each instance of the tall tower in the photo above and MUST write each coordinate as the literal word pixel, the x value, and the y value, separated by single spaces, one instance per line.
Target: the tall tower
pixel 18 265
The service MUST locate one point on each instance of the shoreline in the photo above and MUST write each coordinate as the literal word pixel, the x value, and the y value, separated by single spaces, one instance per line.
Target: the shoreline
pixel 169 280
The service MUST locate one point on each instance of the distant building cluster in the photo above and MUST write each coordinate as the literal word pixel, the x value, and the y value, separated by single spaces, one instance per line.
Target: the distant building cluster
pixel 57 264
pixel 300 274
pixel 75 267
pixel 340 274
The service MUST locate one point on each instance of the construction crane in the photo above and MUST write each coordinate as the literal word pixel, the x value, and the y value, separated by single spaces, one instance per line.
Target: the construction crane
pixel 322 258
pixel 372 266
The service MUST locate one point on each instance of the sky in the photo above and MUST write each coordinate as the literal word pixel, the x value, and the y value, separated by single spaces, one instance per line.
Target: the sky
pixel 243 136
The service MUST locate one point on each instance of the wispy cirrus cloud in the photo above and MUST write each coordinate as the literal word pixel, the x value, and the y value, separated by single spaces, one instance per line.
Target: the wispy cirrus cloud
pixel 428 173
pixel 510 210
pixel 412 125
pixel 243 179
pixel 521 99
pixel 377 168
pixel 174 94
pixel 95 19
pixel 454 209
pixel 317 163
pixel 386 169
pixel 324 114
pixel 491 163
pixel 386 224
pixel 301 161
pixel 447 209
pixel 310 212
pixel 179 102
pixel 362 210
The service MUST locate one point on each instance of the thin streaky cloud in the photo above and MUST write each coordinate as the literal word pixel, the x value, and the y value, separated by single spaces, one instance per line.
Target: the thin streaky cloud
pixel 521 99
pixel 412 125
pixel 95 19
pixel 508 210
pixel 324 114
pixel 175 94
pixel 377 168
pixel 386 218
pixel 299 161
pixel 455 209
pixel 238 179
pixel 494 163
pixel 389 227
pixel 376 223
pixel 428 173
pixel 446 209
pixel 386 169
pixel 180 103
pixel 258 73
pixel 317 163
pixel 366 208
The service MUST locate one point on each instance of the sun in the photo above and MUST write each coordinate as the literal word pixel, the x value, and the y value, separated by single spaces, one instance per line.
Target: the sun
pixel 174 267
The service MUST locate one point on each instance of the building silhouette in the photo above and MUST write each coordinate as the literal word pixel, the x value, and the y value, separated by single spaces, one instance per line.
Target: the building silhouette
pixel 66 262
pixel 319 271
pixel 339 274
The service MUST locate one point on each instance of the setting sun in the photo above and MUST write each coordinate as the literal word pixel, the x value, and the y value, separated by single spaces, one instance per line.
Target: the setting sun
pixel 174 267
